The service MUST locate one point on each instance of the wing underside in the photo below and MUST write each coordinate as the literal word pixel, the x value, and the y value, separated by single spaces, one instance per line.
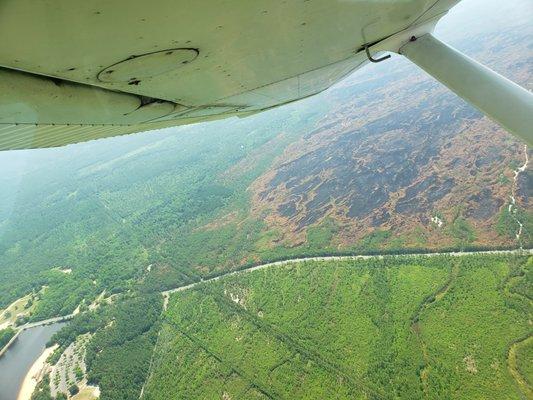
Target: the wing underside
pixel 84 70
pixel 87 70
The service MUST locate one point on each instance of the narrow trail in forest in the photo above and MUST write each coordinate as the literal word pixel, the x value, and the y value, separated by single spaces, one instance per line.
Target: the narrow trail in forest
pixel 415 325
pixel 250 379
pixel 512 207
pixel 512 355
pixel 512 363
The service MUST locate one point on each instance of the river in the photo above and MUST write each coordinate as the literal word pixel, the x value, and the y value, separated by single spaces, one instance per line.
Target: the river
pixel 17 361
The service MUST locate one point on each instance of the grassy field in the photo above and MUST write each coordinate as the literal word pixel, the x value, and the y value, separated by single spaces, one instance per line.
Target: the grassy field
pixel 409 328
pixel 87 393
pixel 19 308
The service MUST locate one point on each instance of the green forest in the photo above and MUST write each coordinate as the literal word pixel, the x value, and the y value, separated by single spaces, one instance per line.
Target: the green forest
pixel 118 355
pixel 391 328
pixel 107 217
pixel 5 336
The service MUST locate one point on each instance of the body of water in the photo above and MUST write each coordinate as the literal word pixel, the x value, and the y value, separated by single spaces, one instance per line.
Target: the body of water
pixel 16 362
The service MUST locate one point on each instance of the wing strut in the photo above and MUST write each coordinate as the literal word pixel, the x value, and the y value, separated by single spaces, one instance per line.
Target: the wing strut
pixel 499 98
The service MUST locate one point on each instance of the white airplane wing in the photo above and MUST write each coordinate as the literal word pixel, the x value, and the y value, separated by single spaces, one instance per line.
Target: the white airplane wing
pixel 73 70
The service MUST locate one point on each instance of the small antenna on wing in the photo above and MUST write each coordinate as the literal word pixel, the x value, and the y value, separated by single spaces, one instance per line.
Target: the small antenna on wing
pixel 375 60
pixel 367 45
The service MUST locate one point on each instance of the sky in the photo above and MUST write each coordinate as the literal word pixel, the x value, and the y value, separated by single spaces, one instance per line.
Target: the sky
pixel 472 17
